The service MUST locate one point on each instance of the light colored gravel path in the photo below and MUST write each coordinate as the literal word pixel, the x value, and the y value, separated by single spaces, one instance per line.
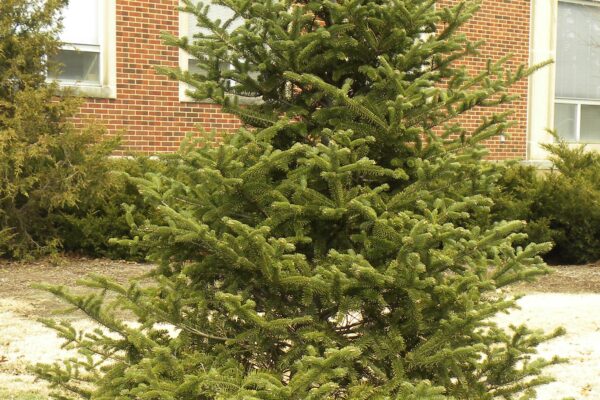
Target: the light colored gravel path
pixel 580 315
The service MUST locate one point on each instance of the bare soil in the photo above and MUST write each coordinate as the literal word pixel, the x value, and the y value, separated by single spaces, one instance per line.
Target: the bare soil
pixel 569 297
pixel 17 278
pixel 566 279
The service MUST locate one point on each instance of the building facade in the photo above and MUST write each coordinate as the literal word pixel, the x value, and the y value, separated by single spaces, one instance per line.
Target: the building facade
pixel 113 46
pixel 114 69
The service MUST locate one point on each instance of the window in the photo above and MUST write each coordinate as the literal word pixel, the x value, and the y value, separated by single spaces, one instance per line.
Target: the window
pixel 87 58
pixel 577 85
pixel 80 55
pixel 188 27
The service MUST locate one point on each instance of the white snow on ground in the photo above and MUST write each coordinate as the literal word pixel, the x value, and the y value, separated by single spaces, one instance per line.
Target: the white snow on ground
pixel 580 315
pixel 24 340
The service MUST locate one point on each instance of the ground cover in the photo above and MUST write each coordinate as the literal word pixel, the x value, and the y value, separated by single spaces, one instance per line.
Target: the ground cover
pixel 569 297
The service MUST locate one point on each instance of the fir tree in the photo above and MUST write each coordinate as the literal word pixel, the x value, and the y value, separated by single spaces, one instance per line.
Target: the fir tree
pixel 45 163
pixel 327 249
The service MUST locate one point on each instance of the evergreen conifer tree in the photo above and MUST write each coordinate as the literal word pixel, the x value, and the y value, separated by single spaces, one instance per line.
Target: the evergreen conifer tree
pixel 45 163
pixel 327 249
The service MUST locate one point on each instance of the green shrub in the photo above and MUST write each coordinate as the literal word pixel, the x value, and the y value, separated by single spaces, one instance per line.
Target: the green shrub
pixel 571 207
pixel 45 163
pixel 561 206
pixel 111 207
pixel 569 200
pixel 516 196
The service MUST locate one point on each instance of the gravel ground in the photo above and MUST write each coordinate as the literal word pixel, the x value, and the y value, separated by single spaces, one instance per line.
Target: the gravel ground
pixel 569 298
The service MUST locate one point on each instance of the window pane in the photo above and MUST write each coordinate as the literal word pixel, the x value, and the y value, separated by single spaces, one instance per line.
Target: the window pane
pixel 80 22
pixel 578 51
pixel 193 67
pixel 590 123
pixel 76 65
pixel 216 12
pixel 564 120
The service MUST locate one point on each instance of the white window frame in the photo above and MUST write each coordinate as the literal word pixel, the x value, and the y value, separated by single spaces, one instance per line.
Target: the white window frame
pixel 107 85
pixel 542 86
pixel 578 102
pixel 542 47
pixel 184 59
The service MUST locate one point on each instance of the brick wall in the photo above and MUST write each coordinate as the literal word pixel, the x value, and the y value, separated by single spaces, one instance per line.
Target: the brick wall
pixel 504 25
pixel 150 117
pixel 147 111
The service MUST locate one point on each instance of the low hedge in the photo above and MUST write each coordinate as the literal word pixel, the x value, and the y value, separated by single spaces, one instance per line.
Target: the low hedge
pixel 561 205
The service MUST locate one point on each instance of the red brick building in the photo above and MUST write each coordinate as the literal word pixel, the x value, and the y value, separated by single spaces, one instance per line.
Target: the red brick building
pixel 115 45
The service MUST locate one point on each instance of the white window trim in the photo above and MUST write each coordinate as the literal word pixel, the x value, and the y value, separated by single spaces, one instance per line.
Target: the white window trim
pixel 184 28
pixel 542 47
pixel 579 102
pixel 542 93
pixel 107 88
pixel 184 58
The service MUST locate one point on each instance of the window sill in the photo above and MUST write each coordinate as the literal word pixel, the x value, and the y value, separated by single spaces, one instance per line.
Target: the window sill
pixel 241 100
pixel 185 98
pixel 91 91
pixel 539 164
pixel 587 144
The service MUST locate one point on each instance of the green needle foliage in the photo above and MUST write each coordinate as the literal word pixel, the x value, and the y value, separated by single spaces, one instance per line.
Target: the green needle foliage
pixel 326 250
pixel 45 164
